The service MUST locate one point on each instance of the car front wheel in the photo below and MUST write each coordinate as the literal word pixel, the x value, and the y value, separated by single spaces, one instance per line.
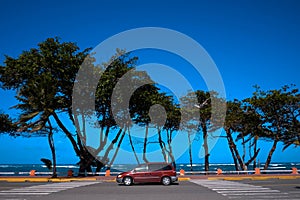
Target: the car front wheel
pixel 166 180
pixel 127 181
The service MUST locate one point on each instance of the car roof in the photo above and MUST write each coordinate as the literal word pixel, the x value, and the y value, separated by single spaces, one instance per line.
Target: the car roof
pixel 156 163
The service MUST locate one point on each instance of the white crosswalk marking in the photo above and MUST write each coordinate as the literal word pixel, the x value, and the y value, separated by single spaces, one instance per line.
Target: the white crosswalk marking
pixel 237 190
pixel 40 190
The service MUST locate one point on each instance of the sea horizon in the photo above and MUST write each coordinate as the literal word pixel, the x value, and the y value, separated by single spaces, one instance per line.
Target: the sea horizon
pixel 63 168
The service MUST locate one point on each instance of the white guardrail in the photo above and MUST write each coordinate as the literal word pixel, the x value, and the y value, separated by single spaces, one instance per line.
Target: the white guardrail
pixel 50 173
pixel 237 172
pixel 218 172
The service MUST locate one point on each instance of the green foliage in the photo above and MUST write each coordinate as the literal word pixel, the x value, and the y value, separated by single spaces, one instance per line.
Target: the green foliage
pixel 44 79
pixel 6 124
pixel 47 162
pixel 279 111
pixel 242 119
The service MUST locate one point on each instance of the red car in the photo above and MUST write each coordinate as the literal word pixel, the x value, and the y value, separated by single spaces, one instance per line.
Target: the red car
pixel 149 173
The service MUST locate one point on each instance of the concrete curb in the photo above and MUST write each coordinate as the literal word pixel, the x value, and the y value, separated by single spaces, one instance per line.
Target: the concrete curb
pixel 255 177
pixel 184 178
pixel 44 179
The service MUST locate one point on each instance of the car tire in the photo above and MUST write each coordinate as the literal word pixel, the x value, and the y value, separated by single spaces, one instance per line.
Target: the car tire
pixel 166 180
pixel 127 181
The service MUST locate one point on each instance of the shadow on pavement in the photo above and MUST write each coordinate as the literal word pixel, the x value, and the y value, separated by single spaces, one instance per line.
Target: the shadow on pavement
pixel 142 184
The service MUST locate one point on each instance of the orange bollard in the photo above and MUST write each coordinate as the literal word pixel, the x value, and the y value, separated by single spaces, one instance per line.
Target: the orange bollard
pixel 70 173
pixel 107 172
pixel 181 172
pixel 219 171
pixel 257 171
pixel 32 172
pixel 294 170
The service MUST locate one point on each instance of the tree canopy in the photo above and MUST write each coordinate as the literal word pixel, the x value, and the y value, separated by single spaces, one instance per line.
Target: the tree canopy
pixel 44 79
pixel 6 124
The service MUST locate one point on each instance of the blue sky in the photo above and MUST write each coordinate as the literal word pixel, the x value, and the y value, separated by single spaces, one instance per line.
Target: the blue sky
pixel 251 42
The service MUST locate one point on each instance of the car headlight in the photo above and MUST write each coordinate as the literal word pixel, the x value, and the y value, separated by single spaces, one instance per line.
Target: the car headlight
pixel 119 176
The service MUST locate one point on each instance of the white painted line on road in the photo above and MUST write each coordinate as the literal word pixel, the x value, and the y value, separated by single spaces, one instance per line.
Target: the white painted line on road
pixel 262 197
pixel 45 189
pixel 237 190
pixel 295 192
pixel 288 199
pixel 20 191
pixel 247 191
pixel 24 193
pixel 247 194
pixel 36 190
pixel 244 192
pixel 15 199
pixel 39 189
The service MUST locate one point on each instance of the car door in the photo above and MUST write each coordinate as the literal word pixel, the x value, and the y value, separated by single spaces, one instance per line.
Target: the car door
pixel 140 174
pixel 155 172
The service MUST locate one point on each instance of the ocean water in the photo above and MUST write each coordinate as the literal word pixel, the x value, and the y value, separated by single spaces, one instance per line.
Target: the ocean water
pixel 24 169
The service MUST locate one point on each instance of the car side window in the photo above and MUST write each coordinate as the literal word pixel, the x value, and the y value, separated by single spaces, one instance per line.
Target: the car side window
pixel 168 167
pixel 154 167
pixel 141 168
pixel 159 167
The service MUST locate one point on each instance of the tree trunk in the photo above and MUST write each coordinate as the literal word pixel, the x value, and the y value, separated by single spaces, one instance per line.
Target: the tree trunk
pixel 205 146
pixel 244 148
pixel 103 141
pixel 190 152
pixel 110 147
pixel 236 152
pixel 68 134
pixel 268 161
pixel 89 169
pixel 86 159
pixel 254 149
pixel 161 144
pixel 132 146
pixel 85 164
pixel 52 147
pixel 170 152
pixel 82 168
pixel 252 158
pixel 145 145
pixel 99 166
pixel 117 150
pixel 230 145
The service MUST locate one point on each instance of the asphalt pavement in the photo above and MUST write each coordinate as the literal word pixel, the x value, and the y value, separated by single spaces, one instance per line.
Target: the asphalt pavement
pixel 197 189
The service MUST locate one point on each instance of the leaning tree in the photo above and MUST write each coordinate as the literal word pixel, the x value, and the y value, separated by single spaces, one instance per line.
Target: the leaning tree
pixel 279 111
pixel 44 79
